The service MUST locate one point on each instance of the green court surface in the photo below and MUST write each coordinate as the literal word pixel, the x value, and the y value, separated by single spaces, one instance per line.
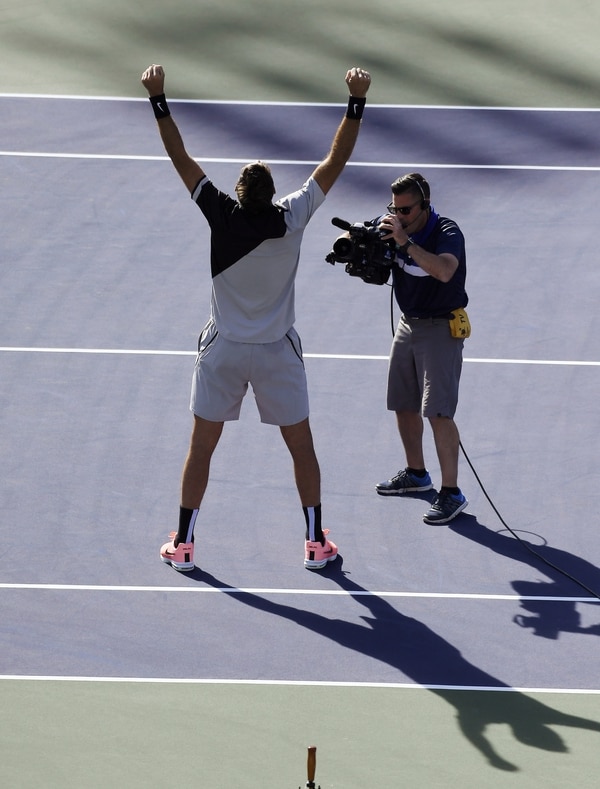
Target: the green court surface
pixel 74 734
pixel 468 52
pixel 78 734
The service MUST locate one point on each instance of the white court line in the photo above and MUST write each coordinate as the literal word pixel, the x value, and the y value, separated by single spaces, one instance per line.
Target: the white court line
pixel 291 683
pixel 302 592
pixel 347 356
pixel 306 163
pixel 117 351
pixel 240 102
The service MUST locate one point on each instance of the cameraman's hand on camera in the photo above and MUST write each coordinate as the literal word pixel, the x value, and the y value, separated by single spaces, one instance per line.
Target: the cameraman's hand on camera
pixel 391 226
pixel 358 81
pixel 441 267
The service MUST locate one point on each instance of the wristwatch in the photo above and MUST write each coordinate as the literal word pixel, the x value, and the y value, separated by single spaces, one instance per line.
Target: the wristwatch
pixel 404 247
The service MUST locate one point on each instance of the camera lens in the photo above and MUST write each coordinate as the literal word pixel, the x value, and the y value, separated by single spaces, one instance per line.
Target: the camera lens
pixel 343 248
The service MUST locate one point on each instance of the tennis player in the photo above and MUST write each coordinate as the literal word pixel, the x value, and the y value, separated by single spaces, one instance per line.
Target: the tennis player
pixel 249 338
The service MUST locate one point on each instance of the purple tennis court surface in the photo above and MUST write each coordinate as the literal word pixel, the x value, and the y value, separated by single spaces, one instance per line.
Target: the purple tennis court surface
pixel 104 288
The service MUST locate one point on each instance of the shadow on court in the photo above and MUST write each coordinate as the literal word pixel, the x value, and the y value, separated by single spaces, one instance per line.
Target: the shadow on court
pixel 429 660
pixel 547 621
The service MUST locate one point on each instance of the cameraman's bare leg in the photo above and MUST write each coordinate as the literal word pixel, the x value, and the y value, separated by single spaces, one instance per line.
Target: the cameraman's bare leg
pixel 447 442
pixel 410 427
pixel 299 441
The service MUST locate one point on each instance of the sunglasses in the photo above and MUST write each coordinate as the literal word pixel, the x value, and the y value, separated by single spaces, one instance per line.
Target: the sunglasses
pixel 404 209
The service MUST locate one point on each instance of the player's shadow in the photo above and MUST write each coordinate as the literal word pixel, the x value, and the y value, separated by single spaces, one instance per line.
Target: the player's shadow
pixel 419 653
pixel 546 619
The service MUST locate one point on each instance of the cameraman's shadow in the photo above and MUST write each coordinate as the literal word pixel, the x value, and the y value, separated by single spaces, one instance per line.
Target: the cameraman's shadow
pixel 419 653
pixel 548 620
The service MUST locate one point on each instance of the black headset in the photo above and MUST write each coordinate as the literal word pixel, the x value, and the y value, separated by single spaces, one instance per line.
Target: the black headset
pixel 423 188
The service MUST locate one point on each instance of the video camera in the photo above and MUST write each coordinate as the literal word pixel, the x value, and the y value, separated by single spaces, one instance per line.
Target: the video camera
pixel 364 252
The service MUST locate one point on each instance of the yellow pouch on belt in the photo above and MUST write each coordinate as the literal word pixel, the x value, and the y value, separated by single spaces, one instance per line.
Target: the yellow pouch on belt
pixel 460 325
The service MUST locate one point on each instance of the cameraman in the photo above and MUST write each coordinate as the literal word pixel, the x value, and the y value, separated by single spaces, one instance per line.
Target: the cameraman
pixel 425 364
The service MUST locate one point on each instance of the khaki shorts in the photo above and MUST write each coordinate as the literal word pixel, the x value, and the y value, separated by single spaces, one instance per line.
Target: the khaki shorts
pixel 274 370
pixel 425 367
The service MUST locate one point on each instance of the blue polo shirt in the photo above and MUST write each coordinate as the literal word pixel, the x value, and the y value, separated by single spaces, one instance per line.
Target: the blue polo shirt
pixel 419 295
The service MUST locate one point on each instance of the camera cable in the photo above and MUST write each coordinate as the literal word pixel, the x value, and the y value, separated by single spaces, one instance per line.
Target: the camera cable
pixel 520 540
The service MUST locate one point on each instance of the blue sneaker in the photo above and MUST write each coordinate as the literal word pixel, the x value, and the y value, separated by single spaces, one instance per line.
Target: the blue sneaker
pixel 445 507
pixel 404 482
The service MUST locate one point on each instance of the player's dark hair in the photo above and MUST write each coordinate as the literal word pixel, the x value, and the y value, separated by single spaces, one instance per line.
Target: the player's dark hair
pixel 255 187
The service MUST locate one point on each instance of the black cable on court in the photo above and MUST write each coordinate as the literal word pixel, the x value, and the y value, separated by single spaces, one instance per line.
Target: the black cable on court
pixel 493 506
pixel 520 540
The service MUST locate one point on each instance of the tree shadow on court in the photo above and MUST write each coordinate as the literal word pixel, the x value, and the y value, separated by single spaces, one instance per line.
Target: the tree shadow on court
pixel 427 659
pixel 545 620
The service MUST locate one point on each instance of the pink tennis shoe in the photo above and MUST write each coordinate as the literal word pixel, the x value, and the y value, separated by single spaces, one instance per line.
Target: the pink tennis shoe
pixel 180 558
pixel 316 555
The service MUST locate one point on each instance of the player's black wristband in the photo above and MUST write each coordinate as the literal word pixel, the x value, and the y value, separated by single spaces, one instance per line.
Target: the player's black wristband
pixel 355 108
pixel 160 106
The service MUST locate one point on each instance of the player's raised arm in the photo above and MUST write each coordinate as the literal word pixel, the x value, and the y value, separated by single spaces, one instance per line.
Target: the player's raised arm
pixel 327 173
pixel 189 170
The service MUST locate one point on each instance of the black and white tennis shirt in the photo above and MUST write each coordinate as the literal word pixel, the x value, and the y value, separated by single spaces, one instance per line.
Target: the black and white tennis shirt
pixel 254 259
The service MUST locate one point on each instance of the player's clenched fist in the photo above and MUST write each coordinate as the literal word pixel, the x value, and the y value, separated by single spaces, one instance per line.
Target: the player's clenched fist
pixel 153 79
pixel 358 81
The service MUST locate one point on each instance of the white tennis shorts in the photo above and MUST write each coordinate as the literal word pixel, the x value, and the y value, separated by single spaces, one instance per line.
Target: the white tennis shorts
pixel 275 371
